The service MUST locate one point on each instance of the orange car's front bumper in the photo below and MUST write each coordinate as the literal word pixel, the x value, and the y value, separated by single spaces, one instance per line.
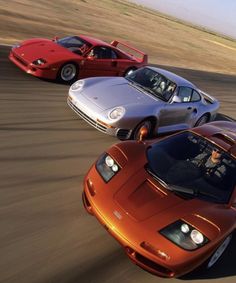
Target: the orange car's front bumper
pixel 141 260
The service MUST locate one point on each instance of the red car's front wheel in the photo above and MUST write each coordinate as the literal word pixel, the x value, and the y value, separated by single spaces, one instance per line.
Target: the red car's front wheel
pixel 68 73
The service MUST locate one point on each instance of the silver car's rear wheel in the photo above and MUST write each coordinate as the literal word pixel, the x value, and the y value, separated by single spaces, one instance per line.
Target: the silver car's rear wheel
pixel 219 251
pixel 202 120
pixel 68 73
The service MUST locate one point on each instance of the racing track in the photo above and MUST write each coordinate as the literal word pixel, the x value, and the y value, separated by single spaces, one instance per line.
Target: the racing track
pixel 45 234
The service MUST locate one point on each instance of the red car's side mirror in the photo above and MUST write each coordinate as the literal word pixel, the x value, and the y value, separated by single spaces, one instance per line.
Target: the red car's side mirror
pixel 55 38
pixel 91 58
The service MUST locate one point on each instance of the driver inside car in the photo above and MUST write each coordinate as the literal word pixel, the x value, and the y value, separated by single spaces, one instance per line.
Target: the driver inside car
pixel 211 165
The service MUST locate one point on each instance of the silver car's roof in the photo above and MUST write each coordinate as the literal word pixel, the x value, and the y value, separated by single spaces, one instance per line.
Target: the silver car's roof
pixel 180 81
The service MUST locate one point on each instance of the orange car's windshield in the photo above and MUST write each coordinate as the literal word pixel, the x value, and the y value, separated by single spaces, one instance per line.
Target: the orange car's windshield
pixel 192 165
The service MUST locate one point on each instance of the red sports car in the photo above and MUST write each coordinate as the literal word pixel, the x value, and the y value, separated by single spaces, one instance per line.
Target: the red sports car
pixel 170 202
pixel 71 57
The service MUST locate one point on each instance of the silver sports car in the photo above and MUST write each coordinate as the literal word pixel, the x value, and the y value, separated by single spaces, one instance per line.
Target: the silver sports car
pixel 151 97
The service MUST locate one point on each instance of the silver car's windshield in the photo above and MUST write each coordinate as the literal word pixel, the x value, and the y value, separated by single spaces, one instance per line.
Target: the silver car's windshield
pixel 153 82
pixel 192 165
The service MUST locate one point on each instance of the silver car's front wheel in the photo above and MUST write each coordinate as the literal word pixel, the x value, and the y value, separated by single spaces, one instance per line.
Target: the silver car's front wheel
pixel 147 124
pixel 68 73
pixel 219 251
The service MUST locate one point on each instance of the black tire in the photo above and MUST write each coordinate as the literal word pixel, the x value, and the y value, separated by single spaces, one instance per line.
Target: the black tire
pixel 202 120
pixel 218 252
pixel 68 73
pixel 136 132
pixel 129 71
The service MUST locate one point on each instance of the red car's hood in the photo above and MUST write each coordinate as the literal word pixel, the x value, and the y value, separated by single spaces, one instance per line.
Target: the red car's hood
pixel 34 49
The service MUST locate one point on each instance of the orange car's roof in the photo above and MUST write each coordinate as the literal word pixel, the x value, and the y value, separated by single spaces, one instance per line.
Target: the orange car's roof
pixel 222 133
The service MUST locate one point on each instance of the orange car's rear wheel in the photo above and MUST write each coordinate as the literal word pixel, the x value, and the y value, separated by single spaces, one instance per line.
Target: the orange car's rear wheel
pixel 68 73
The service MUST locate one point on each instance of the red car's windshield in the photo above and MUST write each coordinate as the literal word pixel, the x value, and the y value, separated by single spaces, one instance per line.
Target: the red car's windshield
pixel 74 43
pixel 189 164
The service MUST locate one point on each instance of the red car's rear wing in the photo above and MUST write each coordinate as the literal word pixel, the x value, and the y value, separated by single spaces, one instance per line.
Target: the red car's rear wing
pixel 138 55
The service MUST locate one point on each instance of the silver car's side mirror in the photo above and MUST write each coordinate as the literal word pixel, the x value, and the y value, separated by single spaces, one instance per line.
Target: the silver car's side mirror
pixel 175 99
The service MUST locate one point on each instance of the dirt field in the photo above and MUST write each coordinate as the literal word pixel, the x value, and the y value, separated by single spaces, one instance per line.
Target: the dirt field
pixel 167 42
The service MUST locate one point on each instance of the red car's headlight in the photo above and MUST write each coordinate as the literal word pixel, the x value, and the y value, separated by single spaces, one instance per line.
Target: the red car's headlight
pixel 39 62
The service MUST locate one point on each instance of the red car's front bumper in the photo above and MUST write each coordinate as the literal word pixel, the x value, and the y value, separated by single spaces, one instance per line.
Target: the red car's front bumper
pixel 47 73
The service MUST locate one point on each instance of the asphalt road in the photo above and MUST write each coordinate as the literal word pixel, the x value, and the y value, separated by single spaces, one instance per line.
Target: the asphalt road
pixel 45 233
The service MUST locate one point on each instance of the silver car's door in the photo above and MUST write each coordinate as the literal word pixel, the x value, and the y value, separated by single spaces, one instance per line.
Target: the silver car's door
pixel 177 115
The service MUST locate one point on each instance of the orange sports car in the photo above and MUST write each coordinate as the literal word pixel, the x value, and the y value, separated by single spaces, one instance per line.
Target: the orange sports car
pixel 170 202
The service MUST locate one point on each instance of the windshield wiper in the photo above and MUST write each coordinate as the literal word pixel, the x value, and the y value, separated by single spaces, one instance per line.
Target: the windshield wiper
pixel 155 176
pixel 144 88
pixel 180 189
pixel 210 195
pixel 149 90
pixel 192 192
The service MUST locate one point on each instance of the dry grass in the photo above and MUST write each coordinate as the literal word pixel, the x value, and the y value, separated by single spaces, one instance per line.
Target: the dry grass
pixel 168 42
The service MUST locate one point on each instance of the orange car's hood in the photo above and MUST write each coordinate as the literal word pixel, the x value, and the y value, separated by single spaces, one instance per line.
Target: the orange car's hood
pixel 144 201
pixel 141 199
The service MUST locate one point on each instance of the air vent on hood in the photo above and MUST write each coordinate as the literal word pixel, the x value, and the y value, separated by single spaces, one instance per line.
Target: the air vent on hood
pixel 225 137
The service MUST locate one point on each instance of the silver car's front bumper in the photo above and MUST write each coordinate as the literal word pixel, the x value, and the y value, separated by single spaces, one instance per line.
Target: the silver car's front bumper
pixel 122 134
pixel 92 122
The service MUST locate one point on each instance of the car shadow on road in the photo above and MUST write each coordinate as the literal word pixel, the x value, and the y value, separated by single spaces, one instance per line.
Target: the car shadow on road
pixel 222 117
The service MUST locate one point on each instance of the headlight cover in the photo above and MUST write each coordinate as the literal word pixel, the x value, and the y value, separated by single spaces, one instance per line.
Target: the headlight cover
pixel 184 235
pixel 116 113
pixel 39 62
pixel 107 167
pixel 78 85
pixel 15 46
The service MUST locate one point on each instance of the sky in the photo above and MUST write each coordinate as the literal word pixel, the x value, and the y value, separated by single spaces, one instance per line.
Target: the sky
pixel 216 15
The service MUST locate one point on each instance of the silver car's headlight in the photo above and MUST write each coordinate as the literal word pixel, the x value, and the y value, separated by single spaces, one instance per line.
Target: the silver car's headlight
pixel 116 113
pixel 184 235
pixel 107 167
pixel 78 85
